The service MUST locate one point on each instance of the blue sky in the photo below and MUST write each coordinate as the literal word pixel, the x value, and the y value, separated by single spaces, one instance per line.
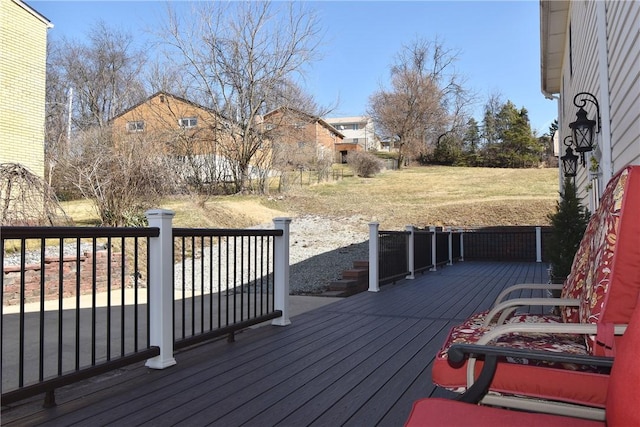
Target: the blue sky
pixel 498 44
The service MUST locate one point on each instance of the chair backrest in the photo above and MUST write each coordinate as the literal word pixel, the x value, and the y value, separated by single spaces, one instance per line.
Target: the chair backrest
pixel 573 286
pixel 607 264
pixel 623 393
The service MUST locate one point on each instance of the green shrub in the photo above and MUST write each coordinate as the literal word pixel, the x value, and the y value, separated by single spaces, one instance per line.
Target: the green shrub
pixel 568 223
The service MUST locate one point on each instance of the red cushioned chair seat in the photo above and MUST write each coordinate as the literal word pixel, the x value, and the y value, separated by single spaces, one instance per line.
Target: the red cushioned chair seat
pixel 605 277
pixel 450 413
pixel 547 381
pixel 622 402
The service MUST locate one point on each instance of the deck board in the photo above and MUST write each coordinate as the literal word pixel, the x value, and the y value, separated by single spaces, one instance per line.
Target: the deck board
pixel 360 361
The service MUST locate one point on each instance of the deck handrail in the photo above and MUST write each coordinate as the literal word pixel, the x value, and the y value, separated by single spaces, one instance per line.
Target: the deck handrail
pixel 139 289
pixel 432 247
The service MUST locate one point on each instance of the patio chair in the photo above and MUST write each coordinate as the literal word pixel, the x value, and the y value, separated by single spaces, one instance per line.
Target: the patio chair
pixel 601 290
pixel 621 408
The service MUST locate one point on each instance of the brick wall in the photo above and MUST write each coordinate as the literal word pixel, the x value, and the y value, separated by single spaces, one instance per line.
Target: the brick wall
pixel 23 43
pixel 33 274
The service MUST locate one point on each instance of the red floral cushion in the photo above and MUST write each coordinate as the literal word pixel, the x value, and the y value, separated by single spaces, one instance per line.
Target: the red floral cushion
pixel 605 276
pixel 568 343
pixel 523 377
pixel 574 285
pixel 612 284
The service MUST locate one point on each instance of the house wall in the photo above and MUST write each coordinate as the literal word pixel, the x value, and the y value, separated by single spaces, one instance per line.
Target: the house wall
pixel 326 138
pixel 300 129
pixel 602 54
pixel 579 75
pixel 23 44
pixel 161 115
pixel 623 34
pixel 365 134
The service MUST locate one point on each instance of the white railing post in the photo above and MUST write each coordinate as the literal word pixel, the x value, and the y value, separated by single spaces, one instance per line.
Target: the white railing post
pixel 538 244
pixel 410 257
pixel 374 286
pixel 461 245
pixel 450 239
pixel 281 272
pixel 434 258
pixel 161 288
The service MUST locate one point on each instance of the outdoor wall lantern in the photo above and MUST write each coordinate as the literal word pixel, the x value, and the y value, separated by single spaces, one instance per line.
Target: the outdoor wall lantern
pixel 583 128
pixel 569 160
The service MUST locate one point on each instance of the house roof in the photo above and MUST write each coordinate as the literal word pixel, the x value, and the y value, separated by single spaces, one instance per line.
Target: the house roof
pixel 309 116
pixel 34 12
pixel 133 107
pixel 553 32
pixel 353 119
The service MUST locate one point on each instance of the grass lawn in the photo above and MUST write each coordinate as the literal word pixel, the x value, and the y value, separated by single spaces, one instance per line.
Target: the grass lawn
pixel 421 196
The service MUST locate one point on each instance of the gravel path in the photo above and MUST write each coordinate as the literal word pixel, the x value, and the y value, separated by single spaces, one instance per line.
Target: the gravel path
pixel 322 248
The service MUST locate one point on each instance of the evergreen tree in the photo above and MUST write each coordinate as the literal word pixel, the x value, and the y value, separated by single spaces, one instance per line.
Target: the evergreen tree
pixel 471 144
pixel 568 223
pixel 472 137
pixel 513 144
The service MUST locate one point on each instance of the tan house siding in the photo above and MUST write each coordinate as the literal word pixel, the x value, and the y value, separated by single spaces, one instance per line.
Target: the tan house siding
pixel 23 50
pixel 166 122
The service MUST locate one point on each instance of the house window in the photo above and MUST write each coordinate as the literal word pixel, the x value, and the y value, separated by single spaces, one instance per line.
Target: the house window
pixel 354 126
pixel 137 126
pixel 188 122
pixel 355 140
pixel 299 125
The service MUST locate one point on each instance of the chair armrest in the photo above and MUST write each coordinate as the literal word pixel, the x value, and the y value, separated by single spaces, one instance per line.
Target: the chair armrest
pixel 522 328
pixel 549 328
pixel 459 352
pixel 507 291
pixel 507 307
pixel 490 354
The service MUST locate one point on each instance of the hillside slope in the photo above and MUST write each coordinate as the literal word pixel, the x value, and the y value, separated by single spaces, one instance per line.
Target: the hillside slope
pixel 442 196
pixel 420 196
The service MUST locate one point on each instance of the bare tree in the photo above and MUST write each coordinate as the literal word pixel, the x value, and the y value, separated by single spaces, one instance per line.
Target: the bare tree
pixel 121 180
pixel 57 122
pixel 104 75
pixel 25 199
pixel 239 55
pixel 426 98
pixel 103 72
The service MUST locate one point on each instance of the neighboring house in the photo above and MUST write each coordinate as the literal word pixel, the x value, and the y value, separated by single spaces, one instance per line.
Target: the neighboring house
pixel 191 134
pixel 594 47
pixel 306 136
pixel 183 127
pixel 357 130
pixel 23 47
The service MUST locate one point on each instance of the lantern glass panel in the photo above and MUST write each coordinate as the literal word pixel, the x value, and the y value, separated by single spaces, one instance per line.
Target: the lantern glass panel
pixel 569 163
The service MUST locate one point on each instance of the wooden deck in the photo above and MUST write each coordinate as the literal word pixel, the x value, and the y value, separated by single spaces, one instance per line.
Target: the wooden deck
pixel 360 361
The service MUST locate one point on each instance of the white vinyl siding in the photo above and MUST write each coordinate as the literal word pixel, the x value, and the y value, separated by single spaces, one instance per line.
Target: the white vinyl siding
pixel 623 21
pixel 584 78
